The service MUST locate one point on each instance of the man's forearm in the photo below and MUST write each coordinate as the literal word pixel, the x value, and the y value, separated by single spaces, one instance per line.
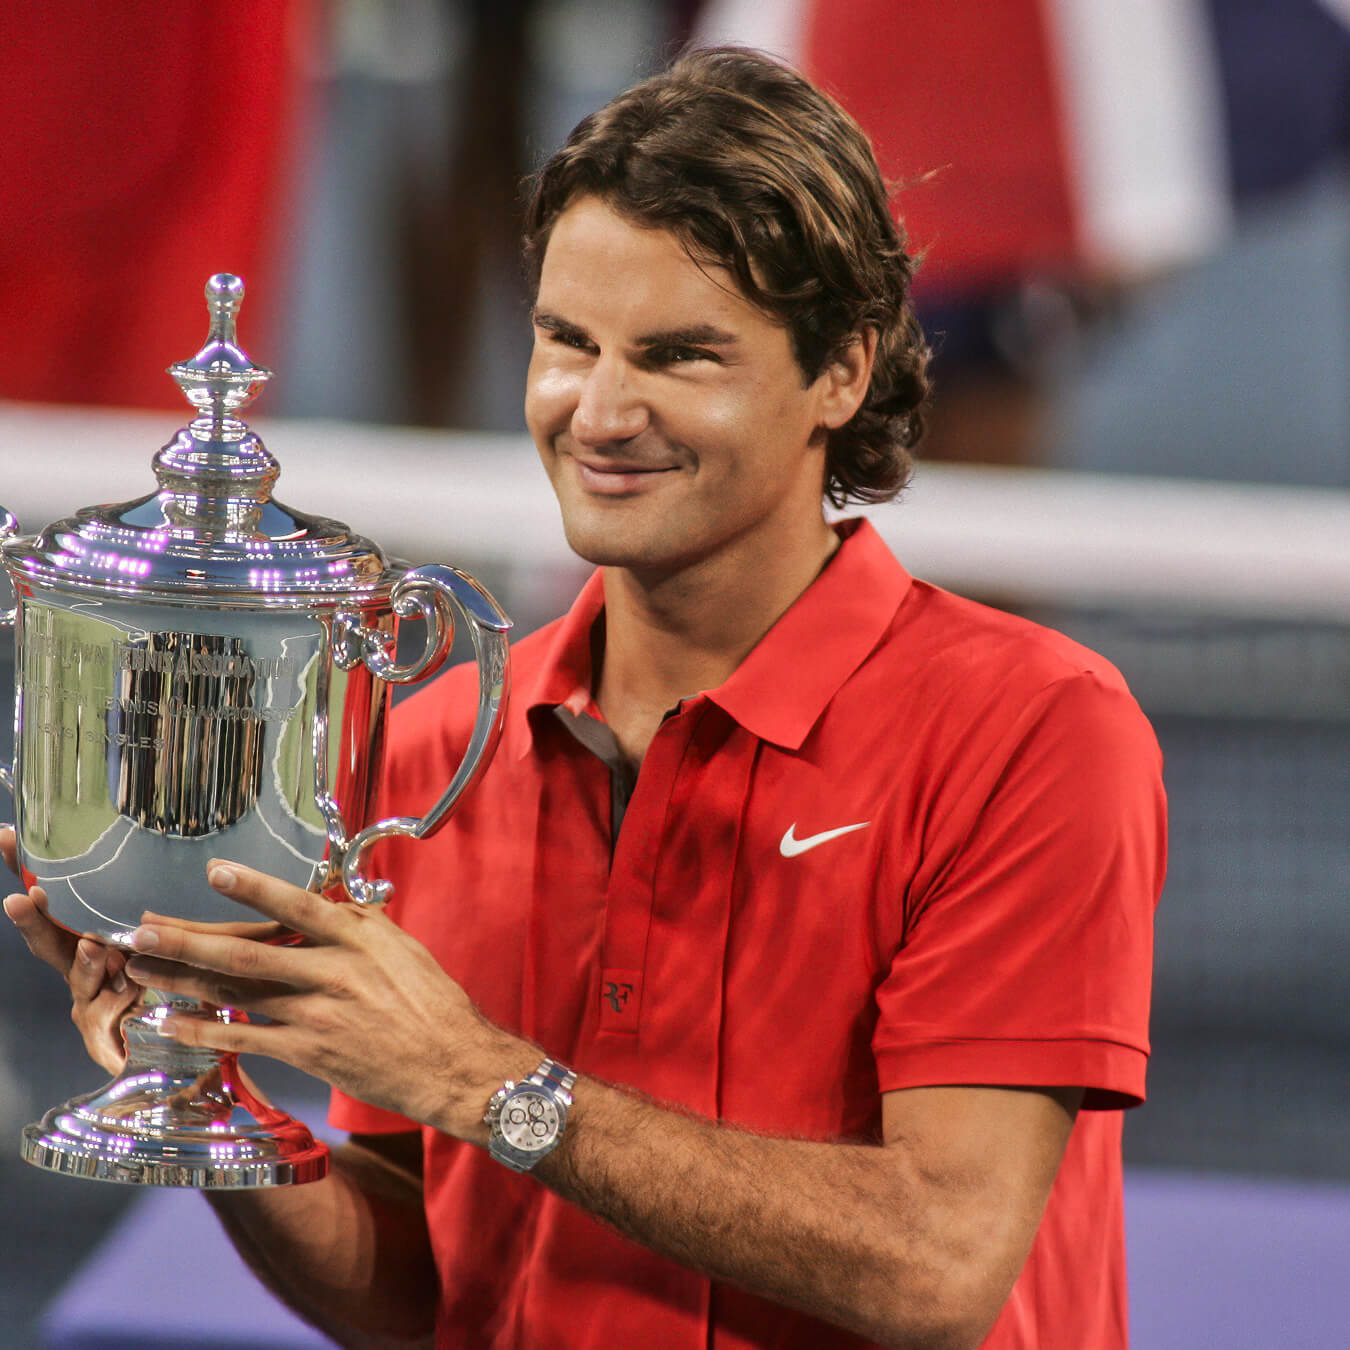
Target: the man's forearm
pixel 853 1234
pixel 349 1254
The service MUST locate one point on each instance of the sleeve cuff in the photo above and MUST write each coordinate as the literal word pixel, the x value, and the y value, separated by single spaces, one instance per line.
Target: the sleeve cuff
pixel 1111 1074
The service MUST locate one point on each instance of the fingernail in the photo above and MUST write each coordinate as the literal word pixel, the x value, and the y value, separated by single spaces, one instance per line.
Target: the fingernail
pixel 119 983
pixel 145 939
pixel 222 878
pixel 85 954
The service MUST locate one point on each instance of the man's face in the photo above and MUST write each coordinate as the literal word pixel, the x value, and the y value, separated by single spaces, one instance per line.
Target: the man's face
pixel 669 412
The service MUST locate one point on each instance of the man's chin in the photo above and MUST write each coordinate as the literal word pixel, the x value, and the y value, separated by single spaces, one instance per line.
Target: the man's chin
pixel 603 547
pixel 606 552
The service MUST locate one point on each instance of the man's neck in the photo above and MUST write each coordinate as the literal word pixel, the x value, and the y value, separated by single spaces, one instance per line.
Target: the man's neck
pixel 669 637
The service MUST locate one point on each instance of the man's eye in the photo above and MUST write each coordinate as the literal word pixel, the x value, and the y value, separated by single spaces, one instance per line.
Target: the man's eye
pixel 563 337
pixel 675 355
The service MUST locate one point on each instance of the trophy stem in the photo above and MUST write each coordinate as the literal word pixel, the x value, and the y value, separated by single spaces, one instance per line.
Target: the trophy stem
pixel 176 1115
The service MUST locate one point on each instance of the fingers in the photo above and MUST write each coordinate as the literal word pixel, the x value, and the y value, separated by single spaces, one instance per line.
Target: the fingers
pixel 248 966
pixel 94 965
pixel 115 978
pixel 168 957
pixel 265 930
pixel 219 990
pixel 47 941
pixel 9 847
pixel 236 1037
pixel 99 988
pixel 100 994
pixel 288 905
pixel 99 1014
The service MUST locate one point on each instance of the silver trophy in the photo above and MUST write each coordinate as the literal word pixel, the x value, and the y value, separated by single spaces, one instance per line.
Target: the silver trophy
pixel 205 672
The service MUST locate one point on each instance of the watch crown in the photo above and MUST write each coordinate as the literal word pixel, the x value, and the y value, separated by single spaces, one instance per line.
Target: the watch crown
pixel 494 1105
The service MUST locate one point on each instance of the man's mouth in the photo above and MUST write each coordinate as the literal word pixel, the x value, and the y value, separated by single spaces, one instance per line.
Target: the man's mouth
pixel 618 478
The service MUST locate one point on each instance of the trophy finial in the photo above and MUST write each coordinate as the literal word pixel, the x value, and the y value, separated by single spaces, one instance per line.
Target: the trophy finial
pixel 224 295
pixel 216 474
pixel 221 379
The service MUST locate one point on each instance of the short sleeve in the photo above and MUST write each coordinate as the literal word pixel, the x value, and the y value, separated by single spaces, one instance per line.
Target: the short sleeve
pixel 1028 941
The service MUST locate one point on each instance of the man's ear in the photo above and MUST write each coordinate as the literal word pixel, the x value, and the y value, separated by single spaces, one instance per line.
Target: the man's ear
pixel 845 380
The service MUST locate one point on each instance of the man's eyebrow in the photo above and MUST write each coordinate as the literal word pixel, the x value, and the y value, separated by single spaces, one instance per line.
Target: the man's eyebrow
pixel 689 335
pixel 552 323
pixel 695 335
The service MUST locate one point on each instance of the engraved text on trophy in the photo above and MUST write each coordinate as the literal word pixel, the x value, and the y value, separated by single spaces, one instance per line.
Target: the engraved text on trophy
pixel 175 721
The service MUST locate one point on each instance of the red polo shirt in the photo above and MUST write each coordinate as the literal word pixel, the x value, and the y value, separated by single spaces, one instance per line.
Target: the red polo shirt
pixel 911 841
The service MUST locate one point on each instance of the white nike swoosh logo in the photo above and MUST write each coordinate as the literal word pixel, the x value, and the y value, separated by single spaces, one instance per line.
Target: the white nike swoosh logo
pixel 790 846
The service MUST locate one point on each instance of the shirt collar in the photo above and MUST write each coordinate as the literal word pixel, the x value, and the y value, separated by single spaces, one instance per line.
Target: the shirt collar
pixel 781 688
pixel 564 676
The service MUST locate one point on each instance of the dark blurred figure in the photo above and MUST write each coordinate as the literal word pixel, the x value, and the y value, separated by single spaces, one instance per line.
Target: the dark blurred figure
pixel 457 227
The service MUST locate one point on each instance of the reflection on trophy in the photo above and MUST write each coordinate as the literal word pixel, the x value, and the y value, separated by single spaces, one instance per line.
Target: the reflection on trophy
pixel 204 672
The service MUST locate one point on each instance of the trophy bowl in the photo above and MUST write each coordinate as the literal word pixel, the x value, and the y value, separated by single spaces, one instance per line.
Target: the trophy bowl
pixel 205 672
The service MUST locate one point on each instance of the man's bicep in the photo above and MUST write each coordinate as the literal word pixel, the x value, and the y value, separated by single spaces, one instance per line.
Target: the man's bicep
pixel 988 1157
pixel 1013 1132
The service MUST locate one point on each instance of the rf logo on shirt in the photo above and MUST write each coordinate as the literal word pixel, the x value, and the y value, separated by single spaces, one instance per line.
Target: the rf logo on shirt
pixel 617 994
pixel 620 999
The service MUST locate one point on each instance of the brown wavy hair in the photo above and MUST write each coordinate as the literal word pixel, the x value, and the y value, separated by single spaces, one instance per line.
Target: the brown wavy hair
pixel 754 169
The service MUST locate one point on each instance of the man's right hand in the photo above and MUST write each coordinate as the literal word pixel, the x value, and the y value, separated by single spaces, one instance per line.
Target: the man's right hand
pixel 100 989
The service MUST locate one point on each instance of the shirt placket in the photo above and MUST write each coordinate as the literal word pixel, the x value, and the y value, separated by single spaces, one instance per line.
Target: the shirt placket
pixel 655 1017
pixel 570 856
pixel 657 1007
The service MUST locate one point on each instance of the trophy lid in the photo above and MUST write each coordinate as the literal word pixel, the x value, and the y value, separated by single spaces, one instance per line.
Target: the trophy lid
pixel 212 534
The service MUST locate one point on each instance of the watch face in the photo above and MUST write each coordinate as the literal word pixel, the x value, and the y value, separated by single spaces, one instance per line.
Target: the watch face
pixel 529 1121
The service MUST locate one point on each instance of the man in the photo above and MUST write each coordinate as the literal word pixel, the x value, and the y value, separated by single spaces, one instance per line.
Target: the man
pixel 824 896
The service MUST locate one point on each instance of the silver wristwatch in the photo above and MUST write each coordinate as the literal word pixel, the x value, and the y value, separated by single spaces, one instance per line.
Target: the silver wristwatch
pixel 528 1118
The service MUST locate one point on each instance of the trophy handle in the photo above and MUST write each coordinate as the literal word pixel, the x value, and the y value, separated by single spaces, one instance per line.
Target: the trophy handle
pixel 432 592
pixel 8 526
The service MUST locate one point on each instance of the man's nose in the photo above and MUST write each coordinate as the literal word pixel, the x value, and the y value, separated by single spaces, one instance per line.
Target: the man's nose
pixel 610 406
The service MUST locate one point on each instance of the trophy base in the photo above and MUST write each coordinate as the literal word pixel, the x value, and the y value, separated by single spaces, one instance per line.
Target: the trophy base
pixel 157 1128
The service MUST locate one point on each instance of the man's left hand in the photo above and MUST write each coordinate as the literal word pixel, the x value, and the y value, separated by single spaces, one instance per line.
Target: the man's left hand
pixel 359 1003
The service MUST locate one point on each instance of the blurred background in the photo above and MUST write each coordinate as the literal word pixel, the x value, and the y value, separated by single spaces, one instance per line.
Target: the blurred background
pixel 1135 229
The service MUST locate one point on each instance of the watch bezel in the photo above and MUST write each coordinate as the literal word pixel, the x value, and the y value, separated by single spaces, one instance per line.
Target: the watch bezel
pixel 526 1092
pixel 550 1083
